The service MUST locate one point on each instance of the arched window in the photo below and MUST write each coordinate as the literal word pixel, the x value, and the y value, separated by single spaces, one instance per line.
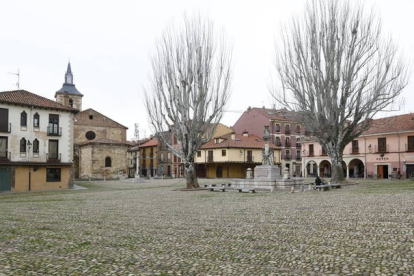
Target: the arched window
pixel 108 162
pixel 23 118
pixel 36 120
pixel 35 146
pixel 23 145
pixel 71 102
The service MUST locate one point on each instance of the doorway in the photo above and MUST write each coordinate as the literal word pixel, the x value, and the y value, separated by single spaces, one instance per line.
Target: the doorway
pixel 219 172
pixel 382 171
pixel 5 180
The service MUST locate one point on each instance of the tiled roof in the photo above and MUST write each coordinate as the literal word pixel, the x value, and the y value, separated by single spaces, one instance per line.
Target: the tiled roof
pixel 273 114
pixel 248 142
pixel 399 123
pixel 151 143
pixel 70 89
pixel 25 98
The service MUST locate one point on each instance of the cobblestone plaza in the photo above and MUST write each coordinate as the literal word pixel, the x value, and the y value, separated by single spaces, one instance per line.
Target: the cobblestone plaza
pixel 150 228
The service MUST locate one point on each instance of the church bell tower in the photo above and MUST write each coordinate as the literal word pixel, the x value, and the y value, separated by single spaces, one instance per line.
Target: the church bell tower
pixel 68 95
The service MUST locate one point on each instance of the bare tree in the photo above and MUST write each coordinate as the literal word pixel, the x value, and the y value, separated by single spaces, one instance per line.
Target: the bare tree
pixel 190 85
pixel 337 72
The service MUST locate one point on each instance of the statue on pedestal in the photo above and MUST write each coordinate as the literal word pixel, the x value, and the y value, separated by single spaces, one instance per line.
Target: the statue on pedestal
pixel 267 153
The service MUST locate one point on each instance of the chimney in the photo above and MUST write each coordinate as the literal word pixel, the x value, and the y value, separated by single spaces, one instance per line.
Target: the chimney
pixel 245 133
pixel 233 136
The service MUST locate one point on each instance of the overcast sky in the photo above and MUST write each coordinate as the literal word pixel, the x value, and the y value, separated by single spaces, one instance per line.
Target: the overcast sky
pixel 109 44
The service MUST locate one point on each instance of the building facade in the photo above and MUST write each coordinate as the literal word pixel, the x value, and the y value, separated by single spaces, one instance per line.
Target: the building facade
pixel 36 143
pixel 230 155
pixel 384 151
pixel 100 142
pixel 286 134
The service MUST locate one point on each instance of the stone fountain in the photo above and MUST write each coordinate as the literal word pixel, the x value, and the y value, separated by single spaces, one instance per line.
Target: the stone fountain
pixel 267 176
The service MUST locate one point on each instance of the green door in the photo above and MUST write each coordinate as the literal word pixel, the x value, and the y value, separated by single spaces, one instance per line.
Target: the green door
pixel 5 181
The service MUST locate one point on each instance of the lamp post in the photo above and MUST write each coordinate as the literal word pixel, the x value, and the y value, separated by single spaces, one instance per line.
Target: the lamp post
pixel 30 169
pixel 137 164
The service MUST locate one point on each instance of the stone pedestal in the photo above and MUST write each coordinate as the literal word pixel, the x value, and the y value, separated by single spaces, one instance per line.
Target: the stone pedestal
pixel 267 172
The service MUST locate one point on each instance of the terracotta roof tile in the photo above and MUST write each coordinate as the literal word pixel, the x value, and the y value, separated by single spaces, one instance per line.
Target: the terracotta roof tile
pixel 151 143
pixel 399 123
pixel 25 98
pixel 251 142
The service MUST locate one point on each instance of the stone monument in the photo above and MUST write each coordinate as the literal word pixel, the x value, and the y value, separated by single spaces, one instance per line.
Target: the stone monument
pixel 267 176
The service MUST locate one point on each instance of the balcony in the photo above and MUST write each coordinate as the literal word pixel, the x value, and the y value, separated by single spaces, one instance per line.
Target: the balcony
pixel 298 158
pixel 5 127
pixel 5 156
pixel 287 131
pixel 298 145
pixel 53 158
pixel 323 153
pixel 354 150
pixel 54 131
pixel 287 144
pixel 210 159
pixel 381 149
pixel 287 157
pixel 250 158
pixel 278 143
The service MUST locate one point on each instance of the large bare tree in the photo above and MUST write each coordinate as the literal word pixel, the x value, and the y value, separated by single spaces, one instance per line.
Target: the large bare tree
pixel 190 85
pixel 337 71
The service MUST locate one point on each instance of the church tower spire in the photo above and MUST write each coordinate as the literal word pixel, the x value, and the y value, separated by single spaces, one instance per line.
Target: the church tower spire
pixel 69 75
pixel 68 95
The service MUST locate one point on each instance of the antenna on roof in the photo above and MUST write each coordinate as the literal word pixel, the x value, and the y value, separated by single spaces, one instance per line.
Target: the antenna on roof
pixel 18 78
pixel 136 133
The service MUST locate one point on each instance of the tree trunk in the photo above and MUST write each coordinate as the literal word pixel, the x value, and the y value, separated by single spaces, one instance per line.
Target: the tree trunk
pixel 337 170
pixel 191 177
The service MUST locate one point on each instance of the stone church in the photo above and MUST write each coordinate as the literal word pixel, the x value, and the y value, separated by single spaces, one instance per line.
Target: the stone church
pixel 100 142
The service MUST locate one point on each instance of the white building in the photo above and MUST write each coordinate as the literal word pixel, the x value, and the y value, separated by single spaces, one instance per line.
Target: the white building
pixel 36 142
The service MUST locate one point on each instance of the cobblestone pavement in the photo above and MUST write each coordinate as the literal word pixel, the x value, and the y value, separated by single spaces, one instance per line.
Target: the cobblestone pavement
pixel 150 228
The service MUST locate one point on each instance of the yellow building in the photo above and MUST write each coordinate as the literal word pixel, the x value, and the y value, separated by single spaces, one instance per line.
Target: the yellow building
pixel 230 155
pixel 148 158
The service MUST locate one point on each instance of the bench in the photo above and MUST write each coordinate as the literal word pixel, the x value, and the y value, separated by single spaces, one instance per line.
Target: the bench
pixel 217 189
pixel 247 190
pixel 326 187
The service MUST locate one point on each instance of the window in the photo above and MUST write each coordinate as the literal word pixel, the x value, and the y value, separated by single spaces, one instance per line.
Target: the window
pixel 35 146
pixel 410 144
pixel 23 145
pixel 3 147
pixel 71 102
pixel 297 128
pixel 311 153
pixel 53 175
pixel 298 155
pixel 199 153
pixel 108 162
pixel 23 119
pixel 355 147
pixel 162 157
pixel 277 142
pixel 4 120
pixel 287 156
pixel 90 135
pixel 287 142
pixel 382 144
pixel 53 149
pixel 287 129
pixel 53 127
pixel 210 156
pixel 36 120
pixel 249 156
pixel 223 152
pixel 277 128
pixel 324 151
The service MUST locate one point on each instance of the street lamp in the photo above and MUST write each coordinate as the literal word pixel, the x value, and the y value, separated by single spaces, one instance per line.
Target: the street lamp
pixel 28 146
